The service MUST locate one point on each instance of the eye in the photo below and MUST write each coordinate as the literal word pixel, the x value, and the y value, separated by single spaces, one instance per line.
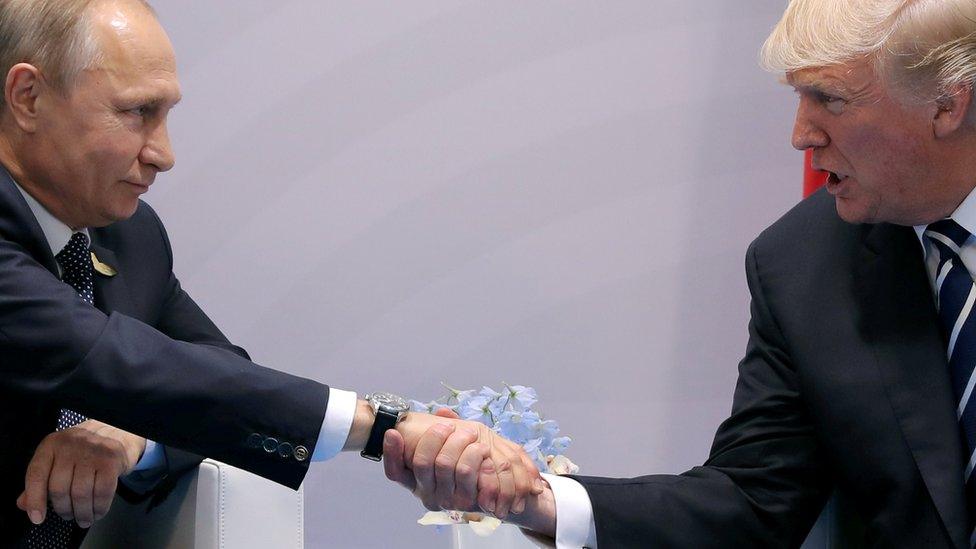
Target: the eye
pixel 832 103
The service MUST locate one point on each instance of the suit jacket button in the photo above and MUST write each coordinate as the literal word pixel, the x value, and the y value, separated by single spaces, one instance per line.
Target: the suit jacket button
pixel 285 449
pixel 270 444
pixel 301 453
pixel 254 440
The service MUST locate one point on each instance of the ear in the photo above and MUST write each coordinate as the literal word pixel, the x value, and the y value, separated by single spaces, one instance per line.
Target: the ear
pixel 953 110
pixel 20 92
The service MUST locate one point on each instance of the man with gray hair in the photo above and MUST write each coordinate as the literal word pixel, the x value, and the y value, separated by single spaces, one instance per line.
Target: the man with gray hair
pixel 858 377
pixel 103 352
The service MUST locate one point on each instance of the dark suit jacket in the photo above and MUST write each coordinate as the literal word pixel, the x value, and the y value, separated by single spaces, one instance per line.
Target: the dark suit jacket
pixel 145 359
pixel 844 386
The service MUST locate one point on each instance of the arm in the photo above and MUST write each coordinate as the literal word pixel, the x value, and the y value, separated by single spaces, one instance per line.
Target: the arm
pixel 763 484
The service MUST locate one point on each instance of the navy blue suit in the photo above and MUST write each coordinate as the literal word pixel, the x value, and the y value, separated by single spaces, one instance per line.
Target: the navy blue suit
pixel 844 386
pixel 145 359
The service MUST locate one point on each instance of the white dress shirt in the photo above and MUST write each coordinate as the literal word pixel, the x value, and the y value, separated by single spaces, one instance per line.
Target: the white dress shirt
pixel 339 411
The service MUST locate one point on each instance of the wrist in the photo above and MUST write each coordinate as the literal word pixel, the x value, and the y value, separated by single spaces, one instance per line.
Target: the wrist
pixel 539 515
pixel 362 423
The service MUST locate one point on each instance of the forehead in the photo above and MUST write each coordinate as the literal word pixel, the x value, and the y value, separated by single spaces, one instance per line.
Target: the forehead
pixel 135 52
pixel 845 77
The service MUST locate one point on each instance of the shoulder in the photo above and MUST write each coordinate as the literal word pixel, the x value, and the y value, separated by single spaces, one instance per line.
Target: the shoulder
pixel 809 236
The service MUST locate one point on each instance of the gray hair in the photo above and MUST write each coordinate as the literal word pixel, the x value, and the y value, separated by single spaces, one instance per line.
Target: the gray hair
pixel 56 36
pixel 920 48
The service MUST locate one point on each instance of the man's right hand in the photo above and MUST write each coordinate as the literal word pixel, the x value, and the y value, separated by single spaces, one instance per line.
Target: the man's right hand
pixel 459 478
pixel 424 451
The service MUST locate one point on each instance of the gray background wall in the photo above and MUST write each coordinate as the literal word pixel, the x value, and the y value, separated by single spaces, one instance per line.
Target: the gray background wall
pixel 385 195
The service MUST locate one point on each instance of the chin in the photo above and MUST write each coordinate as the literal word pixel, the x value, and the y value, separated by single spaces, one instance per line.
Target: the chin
pixel 853 212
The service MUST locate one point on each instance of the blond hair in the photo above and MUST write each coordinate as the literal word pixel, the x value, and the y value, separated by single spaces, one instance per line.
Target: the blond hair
pixel 56 36
pixel 925 48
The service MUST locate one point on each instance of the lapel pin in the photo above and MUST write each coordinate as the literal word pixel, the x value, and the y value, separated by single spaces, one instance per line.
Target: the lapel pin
pixel 102 268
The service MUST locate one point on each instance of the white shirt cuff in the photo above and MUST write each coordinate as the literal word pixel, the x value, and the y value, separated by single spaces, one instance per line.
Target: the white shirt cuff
pixel 152 456
pixel 339 414
pixel 575 527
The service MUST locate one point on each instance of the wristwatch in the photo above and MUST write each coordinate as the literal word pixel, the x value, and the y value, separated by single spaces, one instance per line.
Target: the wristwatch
pixel 389 410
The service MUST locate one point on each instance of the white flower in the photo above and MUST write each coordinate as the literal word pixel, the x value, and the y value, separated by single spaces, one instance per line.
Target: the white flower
pixel 561 465
pixel 440 518
pixel 485 526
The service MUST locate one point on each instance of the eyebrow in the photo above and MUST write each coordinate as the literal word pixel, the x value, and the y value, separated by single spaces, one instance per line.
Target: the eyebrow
pixel 151 102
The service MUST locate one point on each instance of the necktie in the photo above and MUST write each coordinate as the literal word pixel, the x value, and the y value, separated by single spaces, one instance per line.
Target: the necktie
pixel 76 271
pixel 955 295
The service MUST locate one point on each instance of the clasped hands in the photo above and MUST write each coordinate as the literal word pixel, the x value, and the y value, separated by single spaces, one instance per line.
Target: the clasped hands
pixel 451 464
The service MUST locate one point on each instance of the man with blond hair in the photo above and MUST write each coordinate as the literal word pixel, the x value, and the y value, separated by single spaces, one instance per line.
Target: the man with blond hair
pixel 858 375
pixel 96 334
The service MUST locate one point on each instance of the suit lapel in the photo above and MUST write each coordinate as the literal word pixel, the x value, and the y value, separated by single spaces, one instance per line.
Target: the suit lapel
pixel 901 324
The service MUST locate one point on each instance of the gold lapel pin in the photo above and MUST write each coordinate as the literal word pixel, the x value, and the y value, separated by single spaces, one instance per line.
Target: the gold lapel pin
pixel 102 268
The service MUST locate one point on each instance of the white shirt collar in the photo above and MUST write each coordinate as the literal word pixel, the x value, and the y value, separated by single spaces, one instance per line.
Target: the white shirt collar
pixel 965 216
pixel 56 232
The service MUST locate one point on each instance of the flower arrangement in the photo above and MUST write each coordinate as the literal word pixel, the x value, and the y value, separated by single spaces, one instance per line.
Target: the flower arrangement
pixel 509 413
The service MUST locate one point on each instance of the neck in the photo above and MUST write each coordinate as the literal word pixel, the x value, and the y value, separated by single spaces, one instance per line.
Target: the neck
pixel 11 161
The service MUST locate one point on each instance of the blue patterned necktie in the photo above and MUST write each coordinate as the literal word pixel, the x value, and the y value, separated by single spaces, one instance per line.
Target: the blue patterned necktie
pixel 76 271
pixel 955 295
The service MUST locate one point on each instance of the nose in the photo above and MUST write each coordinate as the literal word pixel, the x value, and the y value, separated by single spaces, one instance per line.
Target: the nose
pixel 807 134
pixel 157 151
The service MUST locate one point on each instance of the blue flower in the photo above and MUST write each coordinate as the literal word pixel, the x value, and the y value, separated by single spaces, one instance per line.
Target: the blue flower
pixel 476 409
pixel 516 426
pixel 417 406
pixel 521 397
pixel 559 445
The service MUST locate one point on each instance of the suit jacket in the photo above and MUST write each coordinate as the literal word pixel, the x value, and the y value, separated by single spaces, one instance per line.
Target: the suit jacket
pixel 844 387
pixel 145 358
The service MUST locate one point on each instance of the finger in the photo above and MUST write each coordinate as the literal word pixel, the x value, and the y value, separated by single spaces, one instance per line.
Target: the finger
pixel 466 479
pixel 59 488
pixel 446 462
pixel 35 483
pixel 105 485
pixel 487 486
pixel 538 485
pixel 522 472
pixel 428 447
pixel 393 462
pixel 506 481
pixel 446 412
pixel 82 495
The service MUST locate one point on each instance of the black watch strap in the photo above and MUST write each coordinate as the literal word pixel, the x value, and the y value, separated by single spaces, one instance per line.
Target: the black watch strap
pixel 374 445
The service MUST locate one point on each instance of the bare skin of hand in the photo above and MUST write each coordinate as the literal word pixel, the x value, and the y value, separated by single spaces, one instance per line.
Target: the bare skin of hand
pixel 460 465
pixel 463 476
pixel 78 470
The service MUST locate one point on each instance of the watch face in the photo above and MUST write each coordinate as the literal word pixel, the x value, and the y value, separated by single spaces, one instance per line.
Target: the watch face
pixel 389 402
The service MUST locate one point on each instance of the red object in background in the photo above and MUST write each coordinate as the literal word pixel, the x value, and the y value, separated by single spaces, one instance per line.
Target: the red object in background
pixel 812 179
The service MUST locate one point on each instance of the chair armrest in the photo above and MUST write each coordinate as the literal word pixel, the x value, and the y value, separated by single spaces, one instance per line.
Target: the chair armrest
pixel 217 506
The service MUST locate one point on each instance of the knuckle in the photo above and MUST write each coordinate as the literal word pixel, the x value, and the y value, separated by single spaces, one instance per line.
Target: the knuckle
pixel 503 466
pixel 464 470
pixel 444 462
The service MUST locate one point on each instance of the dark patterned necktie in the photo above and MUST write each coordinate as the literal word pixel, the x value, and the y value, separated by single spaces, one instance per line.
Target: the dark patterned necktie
pixel 76 271
pixel 956 294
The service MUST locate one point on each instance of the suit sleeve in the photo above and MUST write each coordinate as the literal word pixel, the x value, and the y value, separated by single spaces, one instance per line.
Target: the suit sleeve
pixel 764 482
pixel 201 397
pixel 181 319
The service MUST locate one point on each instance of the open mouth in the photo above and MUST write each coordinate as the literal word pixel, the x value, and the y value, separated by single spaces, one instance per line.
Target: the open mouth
pixel 835 178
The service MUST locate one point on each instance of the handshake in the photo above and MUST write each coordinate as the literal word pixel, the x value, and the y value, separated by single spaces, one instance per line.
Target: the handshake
pixel 446 462
pixel 453 464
